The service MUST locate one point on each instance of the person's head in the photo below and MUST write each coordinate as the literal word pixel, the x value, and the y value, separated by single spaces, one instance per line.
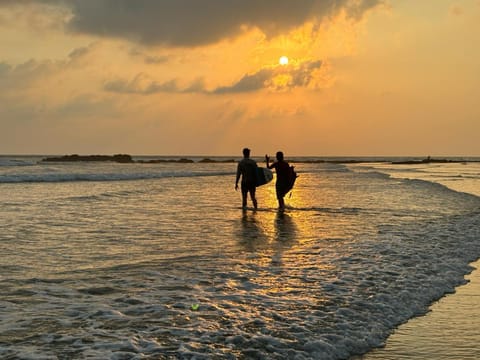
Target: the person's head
pixel 246 152
pixel 279 155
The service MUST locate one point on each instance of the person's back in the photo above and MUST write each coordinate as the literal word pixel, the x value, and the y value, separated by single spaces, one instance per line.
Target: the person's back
pixel 282 169
pixel 247 170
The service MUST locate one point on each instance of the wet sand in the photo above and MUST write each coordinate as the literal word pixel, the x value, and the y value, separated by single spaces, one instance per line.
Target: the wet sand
pixel 451 330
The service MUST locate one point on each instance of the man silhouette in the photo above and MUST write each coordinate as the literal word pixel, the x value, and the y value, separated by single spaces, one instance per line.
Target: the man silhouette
pixel 247 169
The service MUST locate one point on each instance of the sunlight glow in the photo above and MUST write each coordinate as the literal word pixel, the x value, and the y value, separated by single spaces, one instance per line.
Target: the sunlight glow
pixel 283 60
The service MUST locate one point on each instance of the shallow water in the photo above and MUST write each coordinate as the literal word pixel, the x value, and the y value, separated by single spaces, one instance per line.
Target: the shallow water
pixel 110 266
pixel 449 331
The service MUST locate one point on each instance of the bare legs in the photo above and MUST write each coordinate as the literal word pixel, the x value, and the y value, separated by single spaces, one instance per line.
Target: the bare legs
pixel 280 195
pixel 252 197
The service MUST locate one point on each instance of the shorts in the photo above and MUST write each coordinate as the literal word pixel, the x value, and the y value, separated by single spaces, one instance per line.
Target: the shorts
pixel 248 186
pixel 281 190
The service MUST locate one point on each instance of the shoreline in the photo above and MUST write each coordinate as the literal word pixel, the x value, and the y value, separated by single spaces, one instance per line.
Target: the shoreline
pixel 448 331
pixel 126 158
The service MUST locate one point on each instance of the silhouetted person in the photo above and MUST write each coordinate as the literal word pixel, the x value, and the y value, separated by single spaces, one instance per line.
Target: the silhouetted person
pixel 247 169
pixel 282 168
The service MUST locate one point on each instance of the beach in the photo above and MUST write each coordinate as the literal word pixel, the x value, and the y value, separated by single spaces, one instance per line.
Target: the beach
pixel 159 260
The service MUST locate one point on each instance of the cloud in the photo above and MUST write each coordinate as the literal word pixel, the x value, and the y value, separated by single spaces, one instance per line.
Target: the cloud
pixel 248 83
pixel 184 22
pixel 21 76
pixel 141 84
pixel 152 59
pixel 37 15
pixel 4 68
pixel 278 78
pixel 35 87
pixel 79 52
pixel 149 59
pixel 187 23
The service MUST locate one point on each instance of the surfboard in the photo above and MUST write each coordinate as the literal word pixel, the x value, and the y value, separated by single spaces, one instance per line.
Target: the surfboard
pixel 264 176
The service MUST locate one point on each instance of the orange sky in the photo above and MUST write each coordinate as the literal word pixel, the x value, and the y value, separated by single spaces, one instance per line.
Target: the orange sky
pixel 365 77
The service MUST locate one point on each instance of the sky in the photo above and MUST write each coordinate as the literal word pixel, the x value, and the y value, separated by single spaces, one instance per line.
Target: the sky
pixel 204 77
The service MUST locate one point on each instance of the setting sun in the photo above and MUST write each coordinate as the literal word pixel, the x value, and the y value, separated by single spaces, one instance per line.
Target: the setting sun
pixel 283 60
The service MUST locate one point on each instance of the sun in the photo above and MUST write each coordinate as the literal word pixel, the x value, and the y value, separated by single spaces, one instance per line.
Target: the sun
pixel 283 60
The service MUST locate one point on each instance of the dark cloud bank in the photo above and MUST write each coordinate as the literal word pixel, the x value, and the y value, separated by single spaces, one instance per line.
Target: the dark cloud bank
pixel 195 22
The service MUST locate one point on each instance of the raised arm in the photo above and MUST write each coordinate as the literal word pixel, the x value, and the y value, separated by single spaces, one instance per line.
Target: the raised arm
pixel 267 161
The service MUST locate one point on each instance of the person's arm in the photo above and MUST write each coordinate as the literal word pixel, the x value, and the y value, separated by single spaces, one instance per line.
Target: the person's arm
pixel 267 160
pixel 238 176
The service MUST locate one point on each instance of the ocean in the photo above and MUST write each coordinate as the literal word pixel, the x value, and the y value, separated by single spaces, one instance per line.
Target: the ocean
pixel 159 261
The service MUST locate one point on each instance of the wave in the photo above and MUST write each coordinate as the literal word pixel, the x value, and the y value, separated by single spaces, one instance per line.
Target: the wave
pixel 7 162
pixel 80 177
pixel 439 180
pixel 439 187
pixel 458 176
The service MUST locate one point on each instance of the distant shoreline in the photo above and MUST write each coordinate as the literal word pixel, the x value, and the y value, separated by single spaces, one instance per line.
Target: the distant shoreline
pixel 125 159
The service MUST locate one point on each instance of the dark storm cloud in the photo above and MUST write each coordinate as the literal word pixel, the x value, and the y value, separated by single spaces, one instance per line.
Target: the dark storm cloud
pixel 195 22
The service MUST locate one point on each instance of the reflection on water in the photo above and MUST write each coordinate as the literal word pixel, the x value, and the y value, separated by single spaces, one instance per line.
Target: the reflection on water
pixel 251 235
pixel 285 234
pixel 285 229
pixel 266 234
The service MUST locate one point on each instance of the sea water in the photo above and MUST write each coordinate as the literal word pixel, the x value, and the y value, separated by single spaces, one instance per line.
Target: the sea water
pixel 159 261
